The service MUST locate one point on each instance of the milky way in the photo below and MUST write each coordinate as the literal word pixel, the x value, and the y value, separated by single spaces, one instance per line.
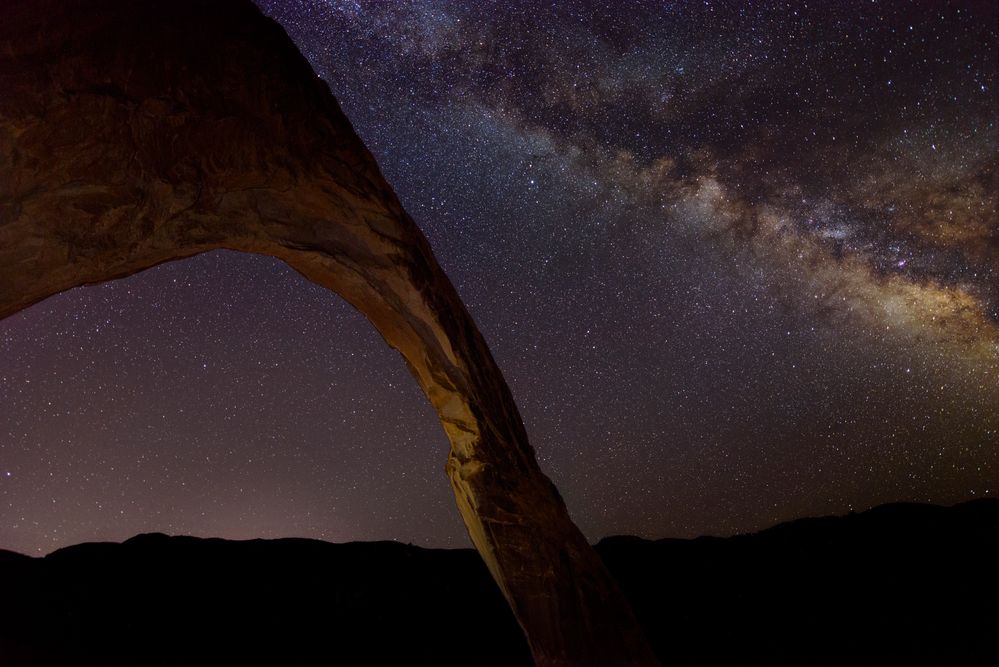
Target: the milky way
pixel 738 261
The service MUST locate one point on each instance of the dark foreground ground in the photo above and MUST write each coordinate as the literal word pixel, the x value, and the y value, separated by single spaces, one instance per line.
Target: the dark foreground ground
pixel 897 585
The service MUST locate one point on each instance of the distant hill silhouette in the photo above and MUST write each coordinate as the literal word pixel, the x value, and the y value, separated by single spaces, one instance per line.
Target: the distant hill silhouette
pixel 901 584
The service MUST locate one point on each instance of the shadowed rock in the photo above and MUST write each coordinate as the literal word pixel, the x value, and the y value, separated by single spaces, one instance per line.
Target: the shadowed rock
pixel 138 132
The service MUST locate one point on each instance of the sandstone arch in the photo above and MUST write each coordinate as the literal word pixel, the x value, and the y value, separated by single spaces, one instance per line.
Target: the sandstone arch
pixel 138 132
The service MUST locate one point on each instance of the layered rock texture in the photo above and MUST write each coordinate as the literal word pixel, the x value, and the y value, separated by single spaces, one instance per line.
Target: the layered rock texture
pixel 139 132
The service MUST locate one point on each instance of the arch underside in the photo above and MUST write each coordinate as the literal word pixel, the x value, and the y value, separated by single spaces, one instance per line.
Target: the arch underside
pixel 135 133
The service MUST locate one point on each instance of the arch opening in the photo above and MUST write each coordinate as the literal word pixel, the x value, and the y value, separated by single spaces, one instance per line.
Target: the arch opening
pixel 198 397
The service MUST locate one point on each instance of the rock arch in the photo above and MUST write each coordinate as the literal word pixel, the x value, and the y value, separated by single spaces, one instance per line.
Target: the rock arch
pixel 139 132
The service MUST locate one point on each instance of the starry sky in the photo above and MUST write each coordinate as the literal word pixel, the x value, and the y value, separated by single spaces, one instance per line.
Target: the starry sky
pixel 739 263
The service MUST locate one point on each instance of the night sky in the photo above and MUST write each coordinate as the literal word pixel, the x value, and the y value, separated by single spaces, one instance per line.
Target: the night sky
pixel 739 263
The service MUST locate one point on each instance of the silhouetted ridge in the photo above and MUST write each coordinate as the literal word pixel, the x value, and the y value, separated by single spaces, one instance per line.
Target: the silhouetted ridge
pixel 901 584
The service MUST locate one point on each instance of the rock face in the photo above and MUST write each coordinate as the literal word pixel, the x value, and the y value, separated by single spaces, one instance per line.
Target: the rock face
pixel 135 132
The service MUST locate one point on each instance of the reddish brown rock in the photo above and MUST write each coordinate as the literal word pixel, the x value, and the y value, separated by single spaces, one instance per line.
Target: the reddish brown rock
pixel 139 132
